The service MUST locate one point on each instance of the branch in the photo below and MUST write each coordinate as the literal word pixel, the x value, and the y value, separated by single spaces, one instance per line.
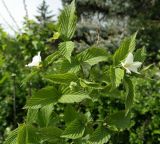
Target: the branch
pixel 25 8
pixel 9 13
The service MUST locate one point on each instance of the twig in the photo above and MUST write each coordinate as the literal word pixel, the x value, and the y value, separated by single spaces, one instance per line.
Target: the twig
pixel 25 8
pixel 98 37
pixel 8 24
pixel 9 13
pixel 14 100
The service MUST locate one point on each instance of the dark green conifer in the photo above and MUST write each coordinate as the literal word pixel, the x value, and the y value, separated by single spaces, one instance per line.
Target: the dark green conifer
pixel 45 15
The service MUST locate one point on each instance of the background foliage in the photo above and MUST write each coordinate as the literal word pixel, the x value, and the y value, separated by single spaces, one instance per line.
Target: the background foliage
pixel 102 23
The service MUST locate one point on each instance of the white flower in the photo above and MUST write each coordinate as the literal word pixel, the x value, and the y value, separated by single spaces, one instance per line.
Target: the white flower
pixel 35 61
pixel 129 65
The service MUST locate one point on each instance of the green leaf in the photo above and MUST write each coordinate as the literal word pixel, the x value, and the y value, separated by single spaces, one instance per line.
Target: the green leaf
pixel 156 132
pixel 29 77
pixel 140 55
pixel 3 79
pixel 112 77
pixel 51 134
pixel 71 67
pixel 100 136
pixel 120 120
pixel 51 58
pixel 93 56
pixel 56 35
pixel 65 78
pixel 67 22
pixel 116 76
pixel 75 129
pixel 84 83
pixel 22 137
pixel 34 136
pixel 12 138
pixel 73 97
pixel 132 43
pixel 66 48
pixel 43 97
pixel 130 93
pixel 70 114
pixel 45 115
pixel 119 73
pixel 147 67
pixel 32 116
pixel 126 46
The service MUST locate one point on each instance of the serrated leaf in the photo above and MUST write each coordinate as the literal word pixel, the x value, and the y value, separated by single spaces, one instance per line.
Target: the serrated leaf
pixel 70 114
pixel 96 60
pixel 51 58
pixel 51 134
pixel 93 56
pixel 67 22
pixel 116 76
pixel 132 43
pixel 73 97
pixel 126 46
pixel 34 136
pixel 32 115
pixel 140 55
pixel 119 73
pixel 129 93
pixel 12 138
pixel 66 48
pixel 100 136
pixel 43 97
pixel 71 67
pixel 84 83
pixel 120 120
pixel 22 136
pixel 63 89
pixel 45 115
pixel 74 130
pixel 65 78
pixel 112 77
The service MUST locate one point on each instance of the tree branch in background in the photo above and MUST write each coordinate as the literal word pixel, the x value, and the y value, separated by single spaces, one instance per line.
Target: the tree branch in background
pixel 14 100
pixel 25 8
pixel 7 23
pixel 9 13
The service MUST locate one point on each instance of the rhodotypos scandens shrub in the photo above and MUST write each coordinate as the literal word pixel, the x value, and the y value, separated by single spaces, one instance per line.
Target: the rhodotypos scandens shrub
pixel 71 107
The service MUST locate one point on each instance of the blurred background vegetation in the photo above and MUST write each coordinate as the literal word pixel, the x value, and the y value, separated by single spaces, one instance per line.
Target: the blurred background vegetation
pixel 103 23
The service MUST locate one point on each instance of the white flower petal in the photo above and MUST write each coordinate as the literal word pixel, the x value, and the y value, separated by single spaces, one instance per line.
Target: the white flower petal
pixel 131 66
pixel 36 58
pixel 137 64
pixel 123 64
pixel 35 61
pixel 129 59
pixel 127 70
pixel 133 69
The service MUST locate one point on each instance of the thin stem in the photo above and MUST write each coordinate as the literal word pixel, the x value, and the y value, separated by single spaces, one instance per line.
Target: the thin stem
pixel 14 100
pixel 9 13
pixel 25 8
pixel 98 37
pixel 8 23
